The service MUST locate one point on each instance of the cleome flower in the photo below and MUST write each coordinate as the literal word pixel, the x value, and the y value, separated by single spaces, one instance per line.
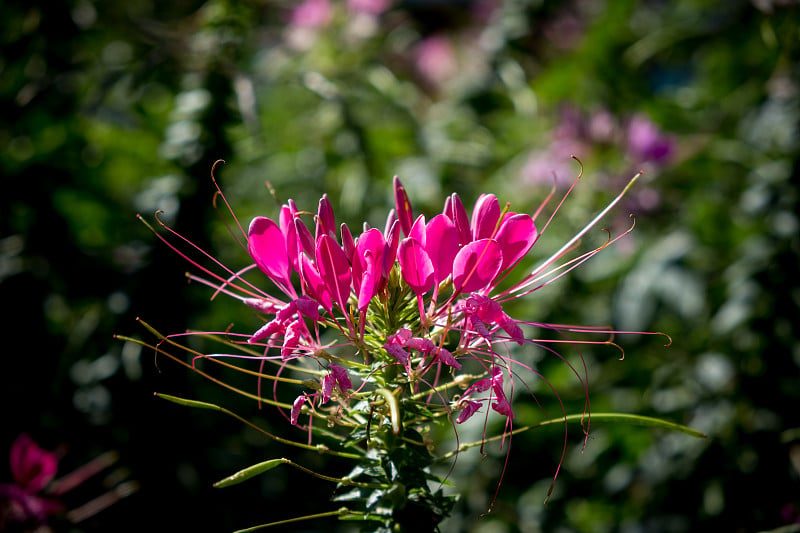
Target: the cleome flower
pixel 376 333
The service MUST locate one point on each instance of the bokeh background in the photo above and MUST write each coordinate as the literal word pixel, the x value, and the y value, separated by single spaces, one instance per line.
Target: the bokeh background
pixel 110 109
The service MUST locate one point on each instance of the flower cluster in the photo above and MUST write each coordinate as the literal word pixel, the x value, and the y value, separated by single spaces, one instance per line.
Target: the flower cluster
pixel 447 265
pixel 387 332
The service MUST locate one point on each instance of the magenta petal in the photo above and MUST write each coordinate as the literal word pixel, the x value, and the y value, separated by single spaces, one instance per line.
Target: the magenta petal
pixel 420 344
pixel 267 246
pixel 455 211
pixel 418 230
pixel 334 269
pixel 308 308
pixel 291 340
pixel 469 407
pixel 327 387
pixel 297 405
pixel 516 236
pixel 348 244
pixel 476 265
pixel 392 242
pixel 286 221
pixel 400 338
pixel 268 329
pixel 304 238
pixel 442 245
pixel 447 358
pixel 326 223
pixel 397 351
pixel 415 266
pixel 314 284
pixel 368 265
pixel 485 217
pixel 403 206
pixel 391 220
pixel 31 466
pixel 342 379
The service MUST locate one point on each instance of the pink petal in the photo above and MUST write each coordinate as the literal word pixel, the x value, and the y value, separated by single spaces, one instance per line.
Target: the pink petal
pixel 334 269
pixel 267 246
pixel 455 211
pixel 267 330
pixel 397 351
pixel 418 230
pixel 415 266
pixel 314 284
pixel 403 206
pixel 476 265
pixel 296 407
pixel 342 379
pixel 511 327
pixel 485 216
pixel 368 265
pixel 327 387
pixel 348 244
pixel 326 223
pixel 420 344
pixel 447 358
pixel 469 408
pixel 304 238
pixel 308 308
pixel 31 466
pixel 286 221
pixel 291 340
pixel 442 245
pixel 516 236
pixel 392 242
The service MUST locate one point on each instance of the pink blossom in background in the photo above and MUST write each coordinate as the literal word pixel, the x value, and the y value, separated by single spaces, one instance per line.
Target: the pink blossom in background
pixel 435 59
pixel 646 142
pixel 33 468
pixel 369 7
pixel 311 14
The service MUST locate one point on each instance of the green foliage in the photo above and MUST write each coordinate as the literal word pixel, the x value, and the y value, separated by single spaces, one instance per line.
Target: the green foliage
pixel 109 110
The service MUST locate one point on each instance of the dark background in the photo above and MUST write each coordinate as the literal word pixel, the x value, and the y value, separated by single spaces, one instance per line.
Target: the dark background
pixel 109 110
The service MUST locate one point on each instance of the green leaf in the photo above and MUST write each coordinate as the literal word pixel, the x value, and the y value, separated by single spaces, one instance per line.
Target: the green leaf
pixel 190 403
pixel 637 420
pixel 248 472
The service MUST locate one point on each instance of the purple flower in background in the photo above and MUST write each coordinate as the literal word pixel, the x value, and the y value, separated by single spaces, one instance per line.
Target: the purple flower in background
pixel 369 7
pixel 33 469
pixel 34 497
pixel 311 14
pixel 435 59
pixel 646 143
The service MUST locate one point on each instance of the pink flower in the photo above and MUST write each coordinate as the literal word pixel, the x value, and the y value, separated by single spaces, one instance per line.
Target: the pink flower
pixel 25 501
pixel 32 467
pixel 311 14
pixel 435 59
pixel 646 142
pixel 370 7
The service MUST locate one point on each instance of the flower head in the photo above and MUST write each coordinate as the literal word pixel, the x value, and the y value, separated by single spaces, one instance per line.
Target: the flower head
pixel 375 332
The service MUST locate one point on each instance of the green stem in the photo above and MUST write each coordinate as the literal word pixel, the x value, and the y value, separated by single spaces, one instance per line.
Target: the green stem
pixel 394 408
pixel 204 405
pixel 344 511
pixel 265 466
pixel 637 420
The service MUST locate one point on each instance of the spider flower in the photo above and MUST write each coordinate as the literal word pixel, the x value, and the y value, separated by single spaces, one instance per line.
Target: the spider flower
pixel 378 332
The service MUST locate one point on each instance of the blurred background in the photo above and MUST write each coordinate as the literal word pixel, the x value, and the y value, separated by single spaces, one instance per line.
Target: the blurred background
pixel 110 109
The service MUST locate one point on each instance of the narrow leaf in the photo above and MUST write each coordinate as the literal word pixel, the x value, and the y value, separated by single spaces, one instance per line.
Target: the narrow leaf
pixel 248 472
pixel 189 403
